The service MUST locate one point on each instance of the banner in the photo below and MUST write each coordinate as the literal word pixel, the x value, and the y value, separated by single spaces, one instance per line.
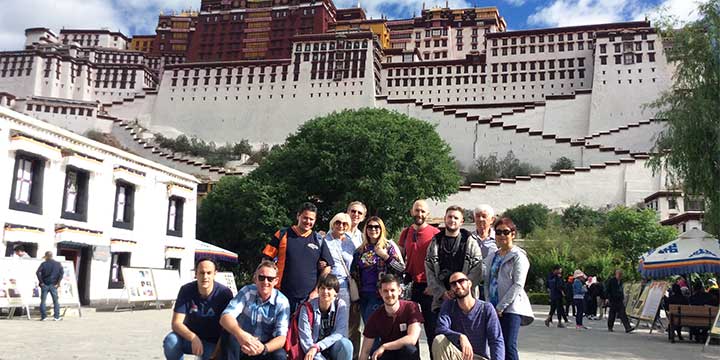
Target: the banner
pixel 139 284
pixel 227 279
pixel 167 283
pixel 19 285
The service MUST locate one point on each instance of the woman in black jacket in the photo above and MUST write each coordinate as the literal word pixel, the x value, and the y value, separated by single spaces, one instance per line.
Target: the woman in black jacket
pixel 569 297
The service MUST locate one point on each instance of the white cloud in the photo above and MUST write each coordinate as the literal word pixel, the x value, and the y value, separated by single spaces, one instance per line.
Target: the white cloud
pixel 516 2
pixel 585 12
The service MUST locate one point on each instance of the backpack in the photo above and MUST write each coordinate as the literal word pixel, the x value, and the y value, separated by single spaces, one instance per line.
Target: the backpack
pixel 292 341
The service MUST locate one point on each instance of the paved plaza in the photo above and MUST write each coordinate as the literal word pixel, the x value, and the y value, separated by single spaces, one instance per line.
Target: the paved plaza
pixel 139 334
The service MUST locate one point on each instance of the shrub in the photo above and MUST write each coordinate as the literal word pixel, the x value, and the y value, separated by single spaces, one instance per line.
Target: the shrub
pixel 562 163
pixel 539 298
pixel 528 217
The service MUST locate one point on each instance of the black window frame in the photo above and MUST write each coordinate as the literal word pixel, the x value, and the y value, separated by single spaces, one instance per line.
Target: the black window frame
pixel 129 211
pixel 36 187
pixel 179 206
pixel 125 256
pixel 81 207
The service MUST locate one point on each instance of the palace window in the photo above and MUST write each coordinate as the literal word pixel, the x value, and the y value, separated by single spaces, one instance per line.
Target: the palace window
pixel 124 205
pixel 27 185
pixel 175 216
pixel 118 260
pixel 75 194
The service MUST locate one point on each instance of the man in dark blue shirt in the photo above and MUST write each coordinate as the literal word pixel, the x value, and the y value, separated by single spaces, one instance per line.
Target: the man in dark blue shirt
pixel 196 317
pixel 49 274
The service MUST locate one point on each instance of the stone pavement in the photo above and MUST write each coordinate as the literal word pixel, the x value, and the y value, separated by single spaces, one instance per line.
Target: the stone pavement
pixel 139 334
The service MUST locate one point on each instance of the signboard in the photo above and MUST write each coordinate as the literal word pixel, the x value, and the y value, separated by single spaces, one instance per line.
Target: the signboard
pixel 167 283
pixel 139 284
pixel 19 285
pixel 227 279
pixel 101 253
pixel 645 307
pixel 715 330
pixel 632 291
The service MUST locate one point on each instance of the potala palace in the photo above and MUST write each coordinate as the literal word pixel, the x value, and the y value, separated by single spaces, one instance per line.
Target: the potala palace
pixel 258 69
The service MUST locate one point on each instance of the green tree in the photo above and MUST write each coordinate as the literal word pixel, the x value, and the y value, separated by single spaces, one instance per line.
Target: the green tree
pixel 562 163
pixel 386 159
pixel 689 147
pixel 528 217
pixel 578 215
pixel 491 168
pixel 634 231
pixel 241 214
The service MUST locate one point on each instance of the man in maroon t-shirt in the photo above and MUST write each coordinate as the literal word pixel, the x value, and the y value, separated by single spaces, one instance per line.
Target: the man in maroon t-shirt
pixel 396 325
pixel 414 242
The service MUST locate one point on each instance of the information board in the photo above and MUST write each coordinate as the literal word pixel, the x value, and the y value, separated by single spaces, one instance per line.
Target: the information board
pixel 651 302
pixel 632 292
pixel 167 283
pixel 19 285
pixel 139 284
pixel 228 279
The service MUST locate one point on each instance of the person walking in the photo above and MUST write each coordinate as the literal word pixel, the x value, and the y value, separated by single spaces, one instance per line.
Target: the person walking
pixel 49 274
pixel 556 287
pixel 616 298
pixel 569 303
pixel 504 285
pixel 579 291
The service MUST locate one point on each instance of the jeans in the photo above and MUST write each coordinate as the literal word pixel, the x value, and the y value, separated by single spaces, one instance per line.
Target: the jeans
pixel 579 311
pixel 344 294
pixel 44 289
pixel 430 317
pixel 340 350
pixel 175 347
pixel 617 308
pixel 369 302
pixel 510 325
pixel 407 352
pixel 231 350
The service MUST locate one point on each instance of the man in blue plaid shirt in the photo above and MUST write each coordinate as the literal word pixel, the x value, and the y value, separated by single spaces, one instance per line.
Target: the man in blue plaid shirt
pixel 257 319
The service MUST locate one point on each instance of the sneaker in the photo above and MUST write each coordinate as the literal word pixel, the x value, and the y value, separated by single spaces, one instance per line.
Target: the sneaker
pixel 58 319
pixel 44 319
pixel 547 322
pixel 630 329
pixel 561 325
pixel 611 330
pixel 581 327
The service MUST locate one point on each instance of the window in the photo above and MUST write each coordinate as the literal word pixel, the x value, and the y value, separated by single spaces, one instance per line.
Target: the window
pixel 672 203
pixel 651 57
pixel 124 201
pixel 175 216
pixel 118 260
pixel 27 183
pixel 75 194
pixel 172 264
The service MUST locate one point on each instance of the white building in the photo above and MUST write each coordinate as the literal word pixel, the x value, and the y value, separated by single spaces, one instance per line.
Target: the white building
pixel 96 205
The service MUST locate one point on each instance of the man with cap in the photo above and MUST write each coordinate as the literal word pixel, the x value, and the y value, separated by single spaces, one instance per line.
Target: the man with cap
pixel 49 274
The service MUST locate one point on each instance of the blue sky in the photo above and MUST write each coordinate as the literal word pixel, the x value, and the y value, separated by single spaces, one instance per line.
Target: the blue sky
pixel 140 16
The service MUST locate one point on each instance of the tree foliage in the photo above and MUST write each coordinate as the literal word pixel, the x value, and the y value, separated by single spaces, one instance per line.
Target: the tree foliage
pixel 213 155
pixel 383 158
pixel 492 168
pixel 635 231
pixel 578 215
pixel 528 217
pixel 562 163
pixel 689 147
pixel 241 214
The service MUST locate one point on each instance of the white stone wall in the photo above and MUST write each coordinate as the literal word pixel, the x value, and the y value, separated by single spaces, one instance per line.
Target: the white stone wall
pixel 640 138
pixel 595 188
pixel 150 207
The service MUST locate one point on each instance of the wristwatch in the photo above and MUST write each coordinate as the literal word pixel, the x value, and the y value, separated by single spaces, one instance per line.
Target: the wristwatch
pixel 265 350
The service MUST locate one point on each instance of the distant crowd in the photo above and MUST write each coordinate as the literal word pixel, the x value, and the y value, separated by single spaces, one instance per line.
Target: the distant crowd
pixel 312 290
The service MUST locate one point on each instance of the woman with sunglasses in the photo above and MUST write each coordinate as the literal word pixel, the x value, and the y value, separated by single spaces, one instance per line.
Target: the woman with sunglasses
pixel 375 257
pixel 504 285
pixel 341 247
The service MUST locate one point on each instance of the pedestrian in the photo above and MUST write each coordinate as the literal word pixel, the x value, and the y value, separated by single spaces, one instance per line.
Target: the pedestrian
pixel 414 243
pixel 49 275
pixel 579 291
pixel 504 285
pixel 393 330
pixel 484 234
pixel 341 248
pixel 450 251
pixel 467 327
pixel 569 302
pixel 591 298
pixel 256 320
pixel 326 337
pixel 302 256
pixel 616 298
pixel 357 211
pixel 376 257
pixel 701 298
pixel 556 288
pixel 676 298
pixel 196 316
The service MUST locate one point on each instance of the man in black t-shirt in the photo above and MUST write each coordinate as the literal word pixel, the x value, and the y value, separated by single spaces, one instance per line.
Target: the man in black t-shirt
pixel 196 316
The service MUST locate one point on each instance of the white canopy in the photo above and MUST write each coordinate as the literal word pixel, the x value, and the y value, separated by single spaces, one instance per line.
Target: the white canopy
pixel 694 251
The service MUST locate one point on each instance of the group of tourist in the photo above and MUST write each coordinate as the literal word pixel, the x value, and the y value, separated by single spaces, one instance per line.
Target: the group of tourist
pixel 680 294
pixel 311 291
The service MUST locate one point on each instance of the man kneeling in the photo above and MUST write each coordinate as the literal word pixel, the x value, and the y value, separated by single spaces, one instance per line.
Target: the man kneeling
pixel 467 326
pixel 396 326
pixel 257 319
pixel 326 336
pixel 196 316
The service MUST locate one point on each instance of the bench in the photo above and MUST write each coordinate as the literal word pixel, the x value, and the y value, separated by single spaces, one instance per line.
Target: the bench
pixel 696 316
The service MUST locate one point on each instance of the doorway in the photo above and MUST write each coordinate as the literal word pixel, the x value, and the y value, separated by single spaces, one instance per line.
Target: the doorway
pixel 81 256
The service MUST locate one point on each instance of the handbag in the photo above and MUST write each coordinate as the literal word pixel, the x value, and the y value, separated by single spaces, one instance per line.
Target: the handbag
pixel 352 284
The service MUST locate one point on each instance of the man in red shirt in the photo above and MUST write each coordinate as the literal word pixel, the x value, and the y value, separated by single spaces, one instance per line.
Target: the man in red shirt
pixel 395 326
pixel 414 242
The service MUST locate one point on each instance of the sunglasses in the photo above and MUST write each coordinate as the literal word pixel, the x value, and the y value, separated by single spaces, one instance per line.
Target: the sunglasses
pixel 262 278
pixel 505 232
pixel 373 227
pixel 458 282
pixel 342 223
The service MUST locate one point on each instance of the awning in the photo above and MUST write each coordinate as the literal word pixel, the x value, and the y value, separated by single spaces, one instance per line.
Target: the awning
pixel 694 251
pixel 71 234
pixel 22 233
pixel 174 252
pixel 206 250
